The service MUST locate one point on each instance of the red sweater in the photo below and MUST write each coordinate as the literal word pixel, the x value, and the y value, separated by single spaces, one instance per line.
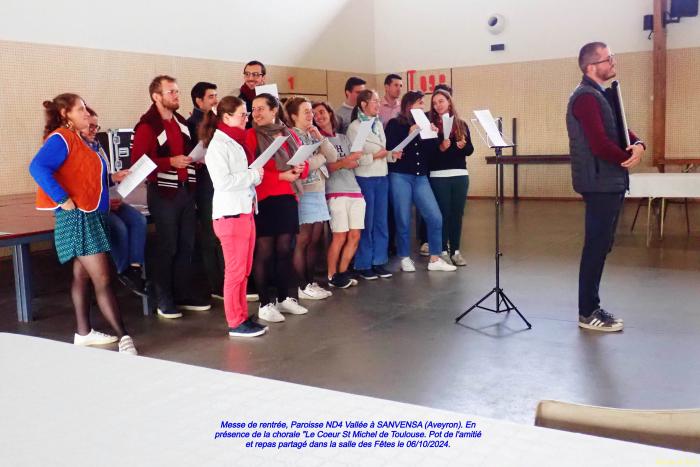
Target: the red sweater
pixel 587 111
pixel 271 184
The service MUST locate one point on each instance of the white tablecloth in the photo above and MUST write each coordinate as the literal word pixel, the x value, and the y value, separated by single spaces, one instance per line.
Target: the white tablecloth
pixel 664 185
pixel 66 405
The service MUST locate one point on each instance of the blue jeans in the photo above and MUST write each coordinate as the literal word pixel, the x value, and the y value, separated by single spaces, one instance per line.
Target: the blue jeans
pixel 127 228
pixel 373 249
pixel 408 190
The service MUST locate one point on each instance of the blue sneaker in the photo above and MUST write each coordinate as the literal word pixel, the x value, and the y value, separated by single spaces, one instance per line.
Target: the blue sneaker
pixel 367 274
pixel 247 328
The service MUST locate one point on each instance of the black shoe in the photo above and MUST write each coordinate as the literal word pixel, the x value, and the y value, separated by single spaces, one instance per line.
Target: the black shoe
pixel 352 273
pixel 258 323
pixel 169 312
pixel 133 280
pixel 600 320
pixel 247 329
pixel 193 304
pixel 340 280
pixel 381 271
pixel 367 274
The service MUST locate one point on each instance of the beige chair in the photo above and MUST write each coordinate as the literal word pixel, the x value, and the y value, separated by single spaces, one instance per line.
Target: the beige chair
pixel 675 429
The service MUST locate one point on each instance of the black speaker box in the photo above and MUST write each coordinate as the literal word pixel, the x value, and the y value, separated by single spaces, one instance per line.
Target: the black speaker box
pixel 684 8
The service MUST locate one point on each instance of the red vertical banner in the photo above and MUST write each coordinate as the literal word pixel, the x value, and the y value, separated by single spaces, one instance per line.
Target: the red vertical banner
pixel 290 80
pixel 409 75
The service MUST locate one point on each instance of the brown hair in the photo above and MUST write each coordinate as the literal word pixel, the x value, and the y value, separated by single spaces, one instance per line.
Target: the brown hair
pixel 331 112
pixel 273 103
pixel 407 101
pixel 292 106
pixel 589 54
pixel 457 126
pixel 363 96
pixel 156 85
pixel 52 109
pixel 207 128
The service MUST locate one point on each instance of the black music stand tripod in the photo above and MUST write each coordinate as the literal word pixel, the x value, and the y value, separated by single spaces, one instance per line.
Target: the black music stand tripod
pixel 503 303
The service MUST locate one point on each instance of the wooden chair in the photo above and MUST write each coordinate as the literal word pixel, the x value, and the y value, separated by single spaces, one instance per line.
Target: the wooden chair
pixel 674 429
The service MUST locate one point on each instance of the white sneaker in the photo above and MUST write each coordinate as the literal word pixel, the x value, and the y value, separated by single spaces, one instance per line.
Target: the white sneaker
pixel 270 313
pixel 440 265
pixel 94 338
pixel 424 250
pixel 252 297
pixel 291 306
pixel 407 265
pixel 126 345
pixel 457 259
pixel 317 287
pixel 311 293
pixel 445 257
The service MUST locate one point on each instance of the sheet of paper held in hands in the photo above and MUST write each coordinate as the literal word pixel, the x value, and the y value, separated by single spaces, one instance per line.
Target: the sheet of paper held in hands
pixel 362 134
pixel 424 124
pixel 303 153
pixel 411 136
pixel 267 88
pixel 138 173
pixel 447 121
pixel 198 153
pixel 268 153
pixel 489 124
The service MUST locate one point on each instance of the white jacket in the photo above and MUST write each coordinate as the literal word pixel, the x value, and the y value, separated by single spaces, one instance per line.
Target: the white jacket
pixel 369 166
pixel 234 183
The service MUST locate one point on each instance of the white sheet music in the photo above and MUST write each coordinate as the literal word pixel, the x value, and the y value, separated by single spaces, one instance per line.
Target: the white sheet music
pixel 424 124
pixel 304 152
pixel 411 136
pixel 447 121
pixel 138 173
pixel 361 137
pixel 267 88
pixel 268 153
pixel 198 153
pixel 489 125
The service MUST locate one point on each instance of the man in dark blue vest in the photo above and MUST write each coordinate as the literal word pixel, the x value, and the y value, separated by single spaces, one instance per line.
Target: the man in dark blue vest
pixel 599 170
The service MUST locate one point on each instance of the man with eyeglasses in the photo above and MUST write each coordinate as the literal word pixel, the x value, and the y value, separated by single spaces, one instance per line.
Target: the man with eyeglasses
pixel 253 75
pixel 599 172
pixel 162 135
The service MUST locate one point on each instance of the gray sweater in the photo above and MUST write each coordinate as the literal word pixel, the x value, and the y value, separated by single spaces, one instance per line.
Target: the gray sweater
pixel 342 180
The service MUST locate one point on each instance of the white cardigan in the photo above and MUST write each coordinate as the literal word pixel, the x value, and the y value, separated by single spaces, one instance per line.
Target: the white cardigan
pixel 234 183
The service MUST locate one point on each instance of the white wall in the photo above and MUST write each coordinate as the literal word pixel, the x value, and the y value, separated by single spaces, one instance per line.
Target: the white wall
pixel 451 33
pixel 303 33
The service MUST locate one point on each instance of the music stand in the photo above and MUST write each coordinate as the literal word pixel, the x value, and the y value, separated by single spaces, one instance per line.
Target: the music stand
pixel 494 139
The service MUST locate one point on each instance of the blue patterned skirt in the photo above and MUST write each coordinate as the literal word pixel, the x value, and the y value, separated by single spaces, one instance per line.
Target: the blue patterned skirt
pixel 80 233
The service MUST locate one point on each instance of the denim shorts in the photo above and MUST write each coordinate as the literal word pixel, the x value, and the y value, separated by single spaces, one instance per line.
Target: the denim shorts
pixel 313 208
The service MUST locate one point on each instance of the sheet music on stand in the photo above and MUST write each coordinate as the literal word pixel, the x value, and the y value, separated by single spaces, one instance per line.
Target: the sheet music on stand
pixel 494 138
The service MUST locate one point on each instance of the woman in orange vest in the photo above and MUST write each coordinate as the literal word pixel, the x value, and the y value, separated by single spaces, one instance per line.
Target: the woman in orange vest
pixel 73 182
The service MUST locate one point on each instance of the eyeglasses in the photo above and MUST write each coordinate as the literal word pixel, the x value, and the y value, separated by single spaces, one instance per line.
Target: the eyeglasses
pixel 241 114
pixel 610 59
pixel 172 92
pixel 253 74
pixel 94 128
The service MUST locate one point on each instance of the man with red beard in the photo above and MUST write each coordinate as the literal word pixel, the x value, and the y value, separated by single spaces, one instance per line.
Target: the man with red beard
pixel 162 135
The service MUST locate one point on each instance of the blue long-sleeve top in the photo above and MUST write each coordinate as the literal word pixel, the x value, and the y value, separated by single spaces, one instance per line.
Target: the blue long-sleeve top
pixel 49 159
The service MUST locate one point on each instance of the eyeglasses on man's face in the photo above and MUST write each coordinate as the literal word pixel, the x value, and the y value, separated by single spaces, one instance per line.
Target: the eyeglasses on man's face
pixel 252 74
pixel 94 128
pixel 610 59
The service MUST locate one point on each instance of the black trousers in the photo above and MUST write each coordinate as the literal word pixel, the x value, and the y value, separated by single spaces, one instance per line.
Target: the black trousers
pixel 175 222
pixel 212 255
pixel 602 214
